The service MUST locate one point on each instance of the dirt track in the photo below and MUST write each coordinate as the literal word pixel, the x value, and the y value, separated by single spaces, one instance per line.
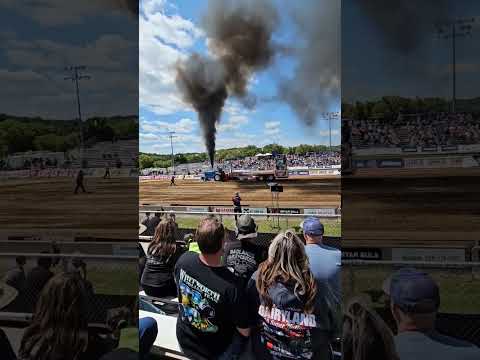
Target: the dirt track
pixel 48 206
pixel 312 192
pixel 438 207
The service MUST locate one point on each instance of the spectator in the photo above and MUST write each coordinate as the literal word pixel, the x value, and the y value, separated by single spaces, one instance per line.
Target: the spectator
pixel 365 334
pixel 162 255
pixel 325 261
pixel 237 205
pixel 59 328
pixel 415 299
pixel 7 295
pixel 213 320
pixel 151 223
pixel 244 255
pixel 288 317
pixel 16 276
pixel 148 330
pixel 38 276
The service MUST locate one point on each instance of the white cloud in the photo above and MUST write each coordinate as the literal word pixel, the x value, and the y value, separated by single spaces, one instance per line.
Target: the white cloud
pixel 184 125
pixel 272 128
pixel 149 137
pixel 233 123
pixel 326 132
pixel 163 40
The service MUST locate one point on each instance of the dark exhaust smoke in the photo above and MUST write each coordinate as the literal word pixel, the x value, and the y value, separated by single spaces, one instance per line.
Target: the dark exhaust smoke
pixel 240 42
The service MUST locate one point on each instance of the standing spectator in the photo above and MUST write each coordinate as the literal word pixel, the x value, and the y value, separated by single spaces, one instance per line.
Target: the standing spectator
pixel 325 261
pixel 162 255
pixel 212 323
pixel 152 224
pixel 415 299
pixel 38 276
pixel 289 319
pixel 237 204
pixel 79 180
pixel 365 334
pixel 16 277
pixel 244 255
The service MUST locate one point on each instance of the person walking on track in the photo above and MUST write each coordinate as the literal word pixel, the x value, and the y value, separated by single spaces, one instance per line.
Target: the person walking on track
pixel 80 176
pixel 172 181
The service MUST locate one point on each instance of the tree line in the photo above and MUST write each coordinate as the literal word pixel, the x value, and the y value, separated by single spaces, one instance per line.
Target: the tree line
pixel 150 160
pixel 21 134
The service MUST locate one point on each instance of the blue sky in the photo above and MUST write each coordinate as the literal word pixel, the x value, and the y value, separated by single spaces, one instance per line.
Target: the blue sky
pixel 170 31
pixel 40 40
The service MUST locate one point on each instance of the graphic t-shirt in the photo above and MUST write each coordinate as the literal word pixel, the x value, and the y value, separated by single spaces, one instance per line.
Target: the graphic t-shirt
pixel 243 257
pixel 285 330
pixel 211 306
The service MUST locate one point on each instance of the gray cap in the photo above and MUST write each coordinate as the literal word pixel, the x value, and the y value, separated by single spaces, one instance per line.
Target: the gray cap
pixel 246 227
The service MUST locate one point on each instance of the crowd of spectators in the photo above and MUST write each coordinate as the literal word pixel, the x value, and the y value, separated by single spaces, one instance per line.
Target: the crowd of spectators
pixel 311 160
pixel 417 130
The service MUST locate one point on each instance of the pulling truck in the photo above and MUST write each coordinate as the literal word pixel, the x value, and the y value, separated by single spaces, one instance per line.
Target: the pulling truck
pixel 280 171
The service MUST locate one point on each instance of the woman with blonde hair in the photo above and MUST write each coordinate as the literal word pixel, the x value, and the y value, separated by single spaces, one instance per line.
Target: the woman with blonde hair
pixel 365 335
pixel 288 317
pixel 162 254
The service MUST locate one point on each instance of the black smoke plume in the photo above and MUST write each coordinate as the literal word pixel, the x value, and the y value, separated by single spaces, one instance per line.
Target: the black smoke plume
pixel 240 35
pixel 316 79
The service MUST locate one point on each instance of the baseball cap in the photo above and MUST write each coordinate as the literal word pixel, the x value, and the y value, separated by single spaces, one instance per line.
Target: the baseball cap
pixel 388 280
pixel 312 226
pixel 414 291
pixel 246 227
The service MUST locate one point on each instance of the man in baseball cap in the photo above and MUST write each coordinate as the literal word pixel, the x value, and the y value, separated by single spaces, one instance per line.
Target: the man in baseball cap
pixel 325 261
pixel 414 302
pixel 244 255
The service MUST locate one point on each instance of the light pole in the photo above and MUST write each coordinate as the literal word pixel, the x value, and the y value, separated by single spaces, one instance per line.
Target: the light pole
pixel 171 135
pixel 452 29
pixel 75 77
pixel 329 116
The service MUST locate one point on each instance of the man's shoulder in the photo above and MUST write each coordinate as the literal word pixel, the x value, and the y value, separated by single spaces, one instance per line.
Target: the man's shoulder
pixel 315 249
pixel 187 258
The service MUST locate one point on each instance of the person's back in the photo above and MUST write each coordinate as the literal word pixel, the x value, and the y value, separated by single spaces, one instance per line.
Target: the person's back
pixel 212 309
pixel 37 277
pixel 16 278
pixel 413 345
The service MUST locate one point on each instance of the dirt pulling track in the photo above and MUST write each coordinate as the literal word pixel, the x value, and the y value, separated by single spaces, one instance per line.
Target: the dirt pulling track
pixel 298 192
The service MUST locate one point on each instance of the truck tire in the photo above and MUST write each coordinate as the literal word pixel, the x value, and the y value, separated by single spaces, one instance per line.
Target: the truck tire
pixel 217 177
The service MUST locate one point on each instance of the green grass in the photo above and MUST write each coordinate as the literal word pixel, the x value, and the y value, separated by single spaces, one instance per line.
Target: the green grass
pixel 459 289
pixel 333 227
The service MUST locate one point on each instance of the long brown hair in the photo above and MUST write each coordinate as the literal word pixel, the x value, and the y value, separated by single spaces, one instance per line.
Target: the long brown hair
pixel 59 329
pixel 164 240
pixel 365 335
pixel 287 263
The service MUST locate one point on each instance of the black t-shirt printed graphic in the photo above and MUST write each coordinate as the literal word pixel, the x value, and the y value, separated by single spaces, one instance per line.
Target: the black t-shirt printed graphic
pixel 286 331
pixel 211 306
pixel 158 270
pixel 243 257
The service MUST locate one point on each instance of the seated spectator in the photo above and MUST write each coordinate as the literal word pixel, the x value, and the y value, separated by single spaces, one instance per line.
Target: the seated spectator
pixel 325 261
pixel 414 302
pixel 7 295
pixel 38 276
pixel 59 328
pixel 289 319
pixel 148 330
pixel 244 255
pixel 162 254
pixel 365 334
pixel 212 323
pixel 16 277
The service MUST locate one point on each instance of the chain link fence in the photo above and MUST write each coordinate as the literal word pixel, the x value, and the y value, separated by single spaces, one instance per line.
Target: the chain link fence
pixel 459 283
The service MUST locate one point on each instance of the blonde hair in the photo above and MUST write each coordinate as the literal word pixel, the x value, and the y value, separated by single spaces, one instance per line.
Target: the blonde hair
pixel 365 335
pixel 287 263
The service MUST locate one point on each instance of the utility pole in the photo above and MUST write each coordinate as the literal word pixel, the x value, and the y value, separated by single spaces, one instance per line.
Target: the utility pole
pixel 452 29
pixel 329 116
pixel 75 77
pixel 171 135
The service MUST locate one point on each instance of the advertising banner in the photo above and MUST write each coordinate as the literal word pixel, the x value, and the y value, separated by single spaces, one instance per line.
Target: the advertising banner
pixel 390 163
pixel 224 209
pixel 253 210
pixel 197 209
pixel 283 211
pixel 428 255
pixel 322 211
pixel 361 254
